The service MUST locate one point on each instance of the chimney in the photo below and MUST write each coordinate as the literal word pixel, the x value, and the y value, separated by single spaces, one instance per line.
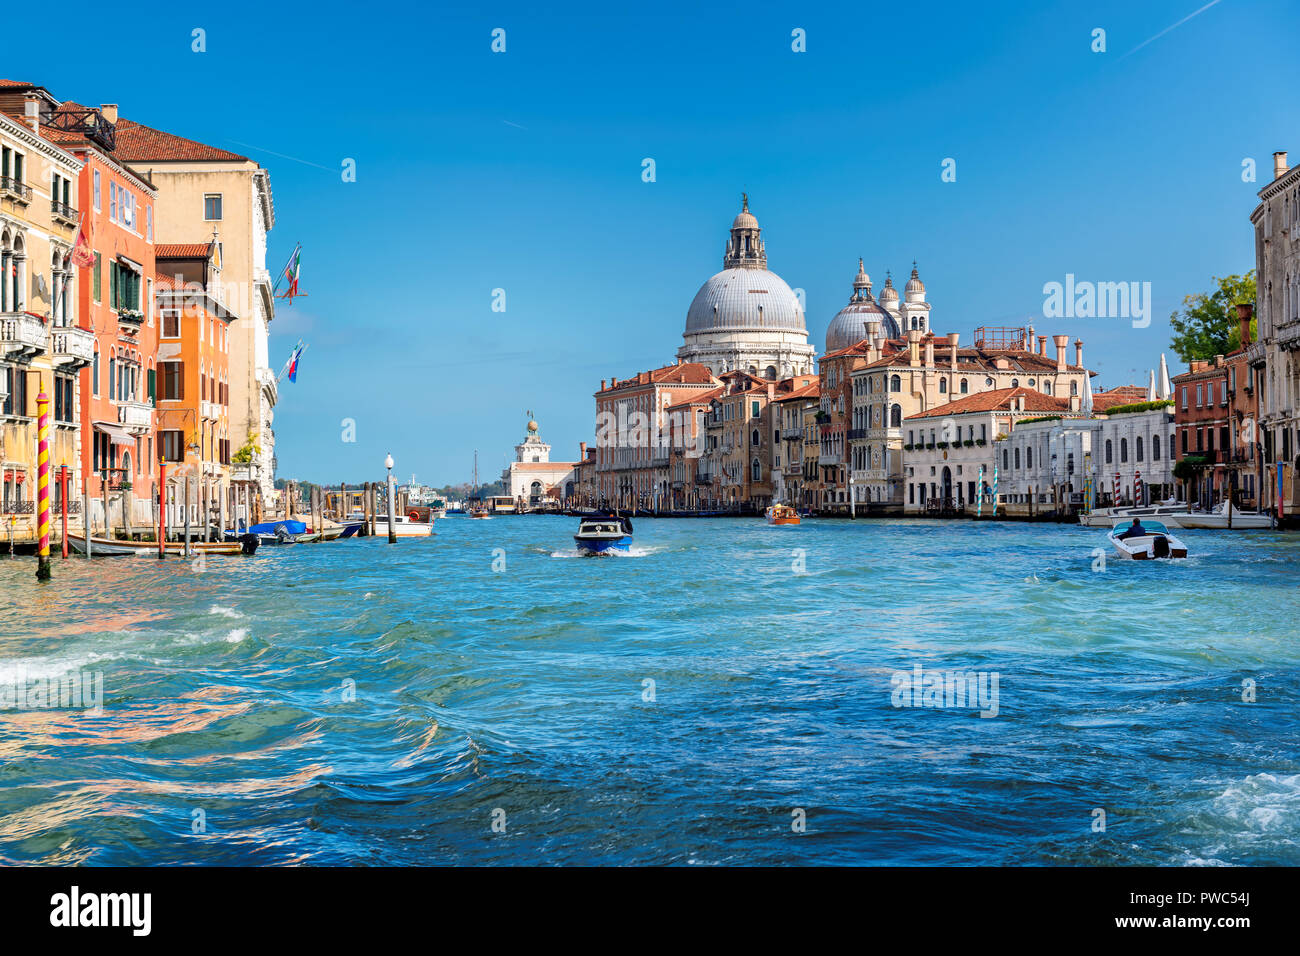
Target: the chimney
pixel 929 353
pixel 1218 361
pixel 953 339
pixel 1075 403
pixel 1042 345
pixel 108 111
pixel 1078 352
pixel 913 347
pixel 1029 337
pixel 582 451
pixel 602 384
pixel 613 382
pixel 1061 342
pixel 32 111
pixel 1279 164
pixel 1244 311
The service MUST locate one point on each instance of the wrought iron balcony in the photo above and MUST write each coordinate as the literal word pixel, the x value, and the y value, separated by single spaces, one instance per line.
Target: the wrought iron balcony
pixel 15 189
pixel 133 316
pixel 72 348
pixel 22 336
pixel 135 416
pixel 62 211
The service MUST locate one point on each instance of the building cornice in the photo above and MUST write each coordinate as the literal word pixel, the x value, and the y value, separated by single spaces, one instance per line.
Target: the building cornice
pixel 24 133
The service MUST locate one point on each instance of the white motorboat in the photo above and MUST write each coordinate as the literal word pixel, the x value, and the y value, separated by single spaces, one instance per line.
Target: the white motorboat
pixel 1226 516
pixel 1143 539
pixel 1171 514
pixel 403 527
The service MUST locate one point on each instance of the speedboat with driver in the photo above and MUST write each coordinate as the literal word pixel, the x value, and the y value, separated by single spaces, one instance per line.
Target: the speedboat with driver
pixel 604 534
pixel 1144 539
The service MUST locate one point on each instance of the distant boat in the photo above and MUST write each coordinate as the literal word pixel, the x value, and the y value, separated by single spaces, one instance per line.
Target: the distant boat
pixel 1170 514
pixel 476 509
pixel 782 514
pixel 603 534
pixel 403 527
pixel 1225 517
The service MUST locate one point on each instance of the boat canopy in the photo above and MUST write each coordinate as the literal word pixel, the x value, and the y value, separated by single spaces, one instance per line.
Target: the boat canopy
pixel 1147 525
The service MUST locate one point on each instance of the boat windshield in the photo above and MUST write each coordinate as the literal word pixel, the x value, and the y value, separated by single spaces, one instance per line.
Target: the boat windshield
pixel 1147 527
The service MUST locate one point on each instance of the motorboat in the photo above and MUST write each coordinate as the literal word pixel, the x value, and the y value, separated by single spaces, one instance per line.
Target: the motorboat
pixel 604 534
pixel 403 526
pixel 112 547
pixel 1171 514
pixel 1226 516
pixel 782 514
pixel 1144 539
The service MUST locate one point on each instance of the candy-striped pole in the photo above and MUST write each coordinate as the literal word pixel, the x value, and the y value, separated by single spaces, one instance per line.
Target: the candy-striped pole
pixel 979 502
pixel 43 484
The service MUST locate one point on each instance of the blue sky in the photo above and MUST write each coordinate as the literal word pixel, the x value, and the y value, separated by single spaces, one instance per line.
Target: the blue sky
pixel 522 171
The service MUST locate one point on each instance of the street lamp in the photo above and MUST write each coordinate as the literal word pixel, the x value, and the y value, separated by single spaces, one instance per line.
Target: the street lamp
pixel 392 500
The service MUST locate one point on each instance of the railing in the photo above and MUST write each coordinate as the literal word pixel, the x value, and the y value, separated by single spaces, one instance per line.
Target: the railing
pixel 22 335
pixel 855 433
pixel 135 415
pixel 72 346
pixel 16 188
pixel 134 316
pixel 19 507
pixel 62 210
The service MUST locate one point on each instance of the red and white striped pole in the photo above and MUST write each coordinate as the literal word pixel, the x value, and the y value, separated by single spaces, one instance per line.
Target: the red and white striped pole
pixel 43 484
pixel 1115 485
pixel 1137 488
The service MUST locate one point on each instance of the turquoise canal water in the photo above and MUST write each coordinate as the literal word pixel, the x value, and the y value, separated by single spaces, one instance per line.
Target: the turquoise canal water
pixel 357 702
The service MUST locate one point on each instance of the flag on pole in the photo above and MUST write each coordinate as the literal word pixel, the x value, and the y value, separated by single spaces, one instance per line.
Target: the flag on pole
pixel 291 272
pixel 292 367
pixel 81 252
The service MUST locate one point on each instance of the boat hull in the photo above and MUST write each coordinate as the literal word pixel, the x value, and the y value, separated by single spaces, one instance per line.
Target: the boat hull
pixel 1146 548
pixel 1106 517
pixel 597 545
pixel 111 548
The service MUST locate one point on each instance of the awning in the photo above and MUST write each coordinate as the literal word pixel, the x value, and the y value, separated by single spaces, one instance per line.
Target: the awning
pixel 118 434
pixel 131 264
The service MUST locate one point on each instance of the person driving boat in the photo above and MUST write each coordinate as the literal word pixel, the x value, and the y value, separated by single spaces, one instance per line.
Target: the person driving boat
pixel 1135 530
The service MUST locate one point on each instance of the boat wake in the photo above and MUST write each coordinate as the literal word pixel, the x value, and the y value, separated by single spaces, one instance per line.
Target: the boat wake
pixel 632 552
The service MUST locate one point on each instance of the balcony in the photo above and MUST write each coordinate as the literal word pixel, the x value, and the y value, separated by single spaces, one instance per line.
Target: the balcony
pixel 1288 336
pixel 15 189
pixel 266 379
pixel 829 458
pixel 21 336
pixel 130 316
pixel 210 410
pixel 62 212
pixel 857 433
pixel 136 417
pixel 72 348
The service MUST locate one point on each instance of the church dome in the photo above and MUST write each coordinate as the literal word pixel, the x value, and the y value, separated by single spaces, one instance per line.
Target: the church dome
pixel 915 287
pixel 745 295
pixel 888 294
pixel 850 324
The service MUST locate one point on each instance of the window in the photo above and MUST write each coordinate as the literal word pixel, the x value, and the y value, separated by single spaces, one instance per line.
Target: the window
pixel 1109 455
pixel 173 382
pixel 97 279
pixel 1029 457
pixel 1017 458
pixel 1138 448
pixel 63 407
pixel 148 219
pixel 943 386
pixel 211 206
pixel 172 445
pixel 753 409
pixel 98 194
pixel 964 386
pixel 1200 395
pixel 895 384
pixel 1184 390
pixel 171 324
pixel 94 374
pixel 1184 434
pixel 756 470
pixel 123 288
pixel 896 416
pixel 1155 447
pixel 1123 449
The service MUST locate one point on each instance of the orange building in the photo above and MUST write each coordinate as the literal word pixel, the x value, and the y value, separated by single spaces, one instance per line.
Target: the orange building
pixel 114 302
pixel 193 369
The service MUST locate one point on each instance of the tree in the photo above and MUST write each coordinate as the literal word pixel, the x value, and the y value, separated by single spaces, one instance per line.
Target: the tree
pixel 1208 324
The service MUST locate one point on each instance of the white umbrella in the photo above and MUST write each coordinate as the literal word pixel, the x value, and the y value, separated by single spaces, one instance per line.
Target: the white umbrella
pixel 1151 387
pixel 1086 408
pixel 1165 391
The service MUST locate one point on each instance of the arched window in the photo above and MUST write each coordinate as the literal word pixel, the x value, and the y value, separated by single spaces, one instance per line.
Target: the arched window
pixel 94 373
pixel 1005 459
pixel 1074 388
pixel 896 416
pixel 1123 449
pixel 771 371
pixel 1138 448
pixel 754 439
pixel 1029 457
pixel 1155 447
pixel 756 470
pixel 943 386
pixel 1109 457
pixel 964 387
pixel 1015 383
pixel 1017 458
pixel 895 384
pixel 1047 387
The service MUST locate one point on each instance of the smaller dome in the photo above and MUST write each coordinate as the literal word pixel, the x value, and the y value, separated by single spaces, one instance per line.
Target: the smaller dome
pixel 744 219
pixel 914 284
pixel 888 293
pixel 862 280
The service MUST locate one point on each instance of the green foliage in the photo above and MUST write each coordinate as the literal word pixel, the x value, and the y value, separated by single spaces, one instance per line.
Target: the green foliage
pixel 1043 418
pixel 1186 469
pixel 1207 325
pixel 246 452
pixel 1138 407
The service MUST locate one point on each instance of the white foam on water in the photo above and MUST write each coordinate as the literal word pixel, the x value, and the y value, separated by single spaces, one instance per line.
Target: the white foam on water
pixel 237 635
pixel 224 611
pixel 47 668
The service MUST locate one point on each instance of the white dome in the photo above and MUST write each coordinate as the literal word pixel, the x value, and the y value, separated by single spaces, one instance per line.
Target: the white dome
pixel 850 325
pixel 745 299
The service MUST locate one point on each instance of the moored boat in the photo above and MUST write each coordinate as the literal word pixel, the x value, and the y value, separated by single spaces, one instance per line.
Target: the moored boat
pixel 1226 516
pixel 1144 539
pixel 111 547
pixel 603 534
pixel 403 526
pixel 782 514
pixel 1171 514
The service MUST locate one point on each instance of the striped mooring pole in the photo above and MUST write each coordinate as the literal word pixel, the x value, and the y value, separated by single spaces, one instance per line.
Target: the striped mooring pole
pixel 43 484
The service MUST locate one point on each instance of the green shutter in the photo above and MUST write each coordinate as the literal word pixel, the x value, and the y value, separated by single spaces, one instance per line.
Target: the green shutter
pixel 97 282
pixel 152 385
pixel 112 285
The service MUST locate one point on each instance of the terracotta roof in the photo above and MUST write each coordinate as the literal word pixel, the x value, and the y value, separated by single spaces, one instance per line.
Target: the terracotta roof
pixel 811 390
pixel 699 398
pixel 541 465
pixel 684 373
pixel 999 399
pixel 182 250
pixel 1119 395
pixel 137 143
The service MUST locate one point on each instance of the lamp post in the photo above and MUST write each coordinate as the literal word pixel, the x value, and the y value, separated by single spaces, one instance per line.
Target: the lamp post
pixel 392 500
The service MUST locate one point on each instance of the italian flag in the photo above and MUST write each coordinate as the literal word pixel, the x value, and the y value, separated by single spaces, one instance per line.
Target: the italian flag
pixel 291 274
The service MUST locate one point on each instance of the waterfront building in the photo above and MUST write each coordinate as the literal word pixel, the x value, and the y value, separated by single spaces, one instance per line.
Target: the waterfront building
pixel 43 341
pixel 206 194
pixel 532 479
pixel 633 436
pixel 1132 441
pixel 895 379
pixel 115 302
pixel 1275 358
pixel 584 478
pixel 745 318
pixel 193 378
pixel 1216 407
pixel 945 448
pixel 794 428
pixel 686 449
